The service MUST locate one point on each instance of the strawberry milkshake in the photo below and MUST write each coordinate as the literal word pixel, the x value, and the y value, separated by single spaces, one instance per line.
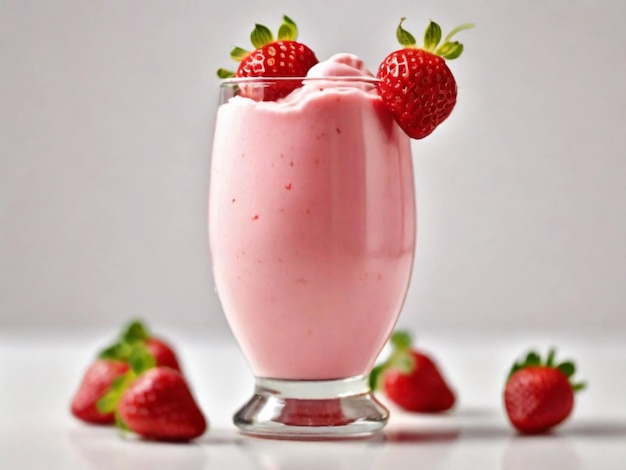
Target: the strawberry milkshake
pixel 312 226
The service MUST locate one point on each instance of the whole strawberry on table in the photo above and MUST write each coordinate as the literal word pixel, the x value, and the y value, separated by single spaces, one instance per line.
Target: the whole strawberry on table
pixel 139 368
pixel 538 394
pixel 411 379
pixel 154 402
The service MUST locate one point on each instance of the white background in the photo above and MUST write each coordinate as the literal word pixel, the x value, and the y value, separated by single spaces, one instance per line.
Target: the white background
pixel 106 114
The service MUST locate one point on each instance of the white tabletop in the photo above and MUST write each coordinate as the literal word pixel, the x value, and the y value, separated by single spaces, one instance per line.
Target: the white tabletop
pixel 39 373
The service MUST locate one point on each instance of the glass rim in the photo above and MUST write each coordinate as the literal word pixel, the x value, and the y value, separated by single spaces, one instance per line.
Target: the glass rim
pixel 335 79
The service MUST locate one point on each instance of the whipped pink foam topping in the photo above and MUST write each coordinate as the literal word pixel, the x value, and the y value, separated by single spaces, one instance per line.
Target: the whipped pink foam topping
pixel 340 65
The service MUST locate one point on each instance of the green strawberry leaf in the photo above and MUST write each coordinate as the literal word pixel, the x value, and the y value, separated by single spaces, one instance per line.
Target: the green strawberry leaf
pixel 403 361
pixel 260 36
pixel 140 359
pixel 450 50
pixel 532 359
pixel 568 368
pixel 577 387
pixel 117 352
pixel 223 73
pixel 405 38
pixel 238 53
pixel 375 379
pixel 288 31
pixel 401 340
pixel 135 332
pixel 108 402
pixel 432 36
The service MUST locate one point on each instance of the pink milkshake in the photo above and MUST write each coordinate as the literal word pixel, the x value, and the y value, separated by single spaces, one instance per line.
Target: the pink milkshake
pixel 312 225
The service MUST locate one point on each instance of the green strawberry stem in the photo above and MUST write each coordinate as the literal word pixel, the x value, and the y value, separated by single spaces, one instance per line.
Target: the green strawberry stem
pixel 533 359
pixel 432 37
pixel 400 358
pixel 458 29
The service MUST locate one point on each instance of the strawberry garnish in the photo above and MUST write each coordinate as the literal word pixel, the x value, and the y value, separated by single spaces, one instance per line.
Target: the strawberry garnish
pixel 415 84
pixel 95 383
pixel 411 379
pixel 283 57
pixel 154 402
pixel 539 395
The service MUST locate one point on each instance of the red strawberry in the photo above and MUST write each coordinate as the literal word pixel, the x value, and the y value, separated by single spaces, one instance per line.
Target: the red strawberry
pixel 411 379
pixel 415 84
pixel 96 382
pixel 158 405
pixel 282 58
pixel 153 401
pixel 538 396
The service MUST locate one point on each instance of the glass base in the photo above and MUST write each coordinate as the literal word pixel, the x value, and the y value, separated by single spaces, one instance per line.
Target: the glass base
pixel 312 409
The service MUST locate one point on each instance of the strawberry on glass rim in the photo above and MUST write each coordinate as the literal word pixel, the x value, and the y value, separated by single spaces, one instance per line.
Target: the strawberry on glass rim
pixel 279 58
pixel 415 84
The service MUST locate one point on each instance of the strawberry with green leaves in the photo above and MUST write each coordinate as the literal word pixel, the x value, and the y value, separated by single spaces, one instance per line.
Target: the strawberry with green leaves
pixel 112 363
pixel 539 395
pixel 154 402
pixel 415 84
pixel 411 379
pixel 282 57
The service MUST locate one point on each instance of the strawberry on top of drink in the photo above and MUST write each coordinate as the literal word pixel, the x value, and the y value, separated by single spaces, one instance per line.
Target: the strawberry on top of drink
pixel 415 83
pixel 281 57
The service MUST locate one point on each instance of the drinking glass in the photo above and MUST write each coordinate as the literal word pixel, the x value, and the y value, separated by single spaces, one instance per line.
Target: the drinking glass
pixel 312 237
